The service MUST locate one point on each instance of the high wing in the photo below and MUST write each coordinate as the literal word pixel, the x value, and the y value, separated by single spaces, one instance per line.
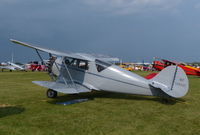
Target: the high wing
pixel 71 55
pixel 101 57
pixel 106 58
pixel 82 56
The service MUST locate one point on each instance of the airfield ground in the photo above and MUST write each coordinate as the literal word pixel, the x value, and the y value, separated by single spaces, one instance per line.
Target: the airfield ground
pixel 24 109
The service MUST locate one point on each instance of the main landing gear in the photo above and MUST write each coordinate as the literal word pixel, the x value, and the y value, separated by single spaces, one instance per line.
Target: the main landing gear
pixel 51 93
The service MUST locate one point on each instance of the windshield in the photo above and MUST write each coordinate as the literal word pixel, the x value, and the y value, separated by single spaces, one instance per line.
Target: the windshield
pixel 101 65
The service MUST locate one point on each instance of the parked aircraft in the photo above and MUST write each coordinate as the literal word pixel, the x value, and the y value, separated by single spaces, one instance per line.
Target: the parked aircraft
pixel 12 67
pixel 160 65
pixel 36 66
pixel 17 67
pixel 7 67
pixel 79 72
pixel 126 67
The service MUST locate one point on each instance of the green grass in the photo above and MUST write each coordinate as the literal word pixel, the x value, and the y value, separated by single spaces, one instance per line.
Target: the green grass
pixel 24 109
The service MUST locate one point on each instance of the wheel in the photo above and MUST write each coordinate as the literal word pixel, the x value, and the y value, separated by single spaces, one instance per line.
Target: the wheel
pixel 51 93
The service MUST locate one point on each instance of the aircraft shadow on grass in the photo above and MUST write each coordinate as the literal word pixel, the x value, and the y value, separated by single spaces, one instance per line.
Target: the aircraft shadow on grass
pixel 104 94
pixel 10 110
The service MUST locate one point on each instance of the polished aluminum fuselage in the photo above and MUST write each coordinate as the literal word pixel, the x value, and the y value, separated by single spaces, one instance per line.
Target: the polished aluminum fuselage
pixel 112 79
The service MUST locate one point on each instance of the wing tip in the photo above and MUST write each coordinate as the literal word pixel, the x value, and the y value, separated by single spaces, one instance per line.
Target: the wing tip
pixel 14 41
pixel 21 43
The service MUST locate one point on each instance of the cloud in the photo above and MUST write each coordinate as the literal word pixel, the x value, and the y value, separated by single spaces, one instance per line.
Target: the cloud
pixel 132 6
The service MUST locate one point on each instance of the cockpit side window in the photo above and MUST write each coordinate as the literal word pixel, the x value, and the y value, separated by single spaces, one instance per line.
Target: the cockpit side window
pixel 101 65
pixel 82 64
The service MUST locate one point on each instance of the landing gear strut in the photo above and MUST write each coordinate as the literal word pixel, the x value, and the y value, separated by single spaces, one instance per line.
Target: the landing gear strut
pixel 51 93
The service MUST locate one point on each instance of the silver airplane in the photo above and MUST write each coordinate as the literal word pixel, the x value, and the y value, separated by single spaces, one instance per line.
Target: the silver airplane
pixel 78 73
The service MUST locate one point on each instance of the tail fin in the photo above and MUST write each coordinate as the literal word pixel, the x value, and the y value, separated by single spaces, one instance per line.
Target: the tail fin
pixel 172 81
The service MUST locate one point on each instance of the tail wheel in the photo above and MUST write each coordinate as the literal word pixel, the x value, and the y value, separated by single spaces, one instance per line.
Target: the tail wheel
pixel 51 93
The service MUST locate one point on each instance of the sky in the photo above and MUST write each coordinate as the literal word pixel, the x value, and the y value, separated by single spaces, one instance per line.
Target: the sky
pixel 132 30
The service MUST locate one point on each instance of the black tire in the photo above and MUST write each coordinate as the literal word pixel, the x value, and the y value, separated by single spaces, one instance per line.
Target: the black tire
pixel 51 93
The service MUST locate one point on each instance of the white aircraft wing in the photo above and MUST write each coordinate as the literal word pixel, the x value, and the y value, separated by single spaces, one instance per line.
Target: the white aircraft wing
pixel 71 55
pixel 111 60
pixel 101 57
pixel 16 66
pixel 8 67
pixel 83 56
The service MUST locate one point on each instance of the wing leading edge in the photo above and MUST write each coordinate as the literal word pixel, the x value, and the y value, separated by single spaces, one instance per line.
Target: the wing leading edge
pixel 71 55
pixel 82 56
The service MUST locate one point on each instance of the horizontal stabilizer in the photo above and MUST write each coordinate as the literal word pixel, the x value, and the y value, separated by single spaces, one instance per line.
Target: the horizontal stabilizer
pixel 172 81
pixel 63 88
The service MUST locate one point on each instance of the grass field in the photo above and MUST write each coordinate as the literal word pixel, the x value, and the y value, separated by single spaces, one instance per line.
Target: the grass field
pixel 24 109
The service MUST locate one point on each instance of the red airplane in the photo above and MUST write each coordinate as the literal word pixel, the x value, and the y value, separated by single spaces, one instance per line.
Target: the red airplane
pixel 35 66
pixel 159 65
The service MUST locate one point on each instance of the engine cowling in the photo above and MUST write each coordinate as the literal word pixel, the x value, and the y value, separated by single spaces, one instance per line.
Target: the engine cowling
pixel 54 65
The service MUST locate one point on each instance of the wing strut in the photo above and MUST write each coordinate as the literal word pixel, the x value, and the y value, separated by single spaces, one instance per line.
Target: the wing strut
pixel 45 63
pixel 39 56
pixel 69 75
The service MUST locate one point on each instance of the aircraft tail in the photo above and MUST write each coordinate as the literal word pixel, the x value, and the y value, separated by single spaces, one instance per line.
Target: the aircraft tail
pixel 172 81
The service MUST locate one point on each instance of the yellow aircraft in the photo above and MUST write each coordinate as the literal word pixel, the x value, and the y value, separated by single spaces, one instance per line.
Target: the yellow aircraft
pixel 127 67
